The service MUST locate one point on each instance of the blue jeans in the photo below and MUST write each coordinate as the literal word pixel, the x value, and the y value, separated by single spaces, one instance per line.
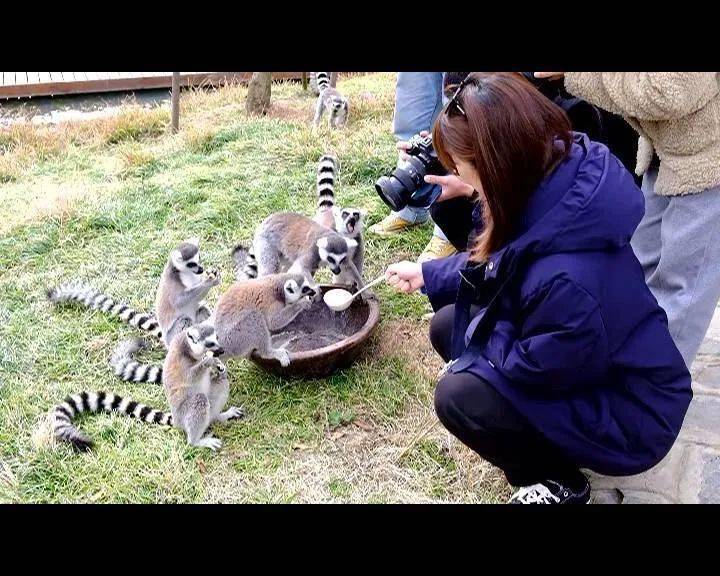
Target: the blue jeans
pixel 418 101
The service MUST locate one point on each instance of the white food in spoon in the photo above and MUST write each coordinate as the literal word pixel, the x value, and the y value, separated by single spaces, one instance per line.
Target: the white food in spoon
pixel 337 298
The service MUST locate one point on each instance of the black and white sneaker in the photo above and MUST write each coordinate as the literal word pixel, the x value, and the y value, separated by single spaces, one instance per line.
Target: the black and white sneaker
pixel 550 492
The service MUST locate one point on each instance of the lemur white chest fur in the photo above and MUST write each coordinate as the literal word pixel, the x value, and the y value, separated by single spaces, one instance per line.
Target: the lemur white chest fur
pixel 180 297
pixel 347 221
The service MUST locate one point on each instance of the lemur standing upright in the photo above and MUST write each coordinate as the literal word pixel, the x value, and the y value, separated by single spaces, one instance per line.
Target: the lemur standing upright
pixel 179 297
pixel 346 221
pixel 332 100
pixel 196 388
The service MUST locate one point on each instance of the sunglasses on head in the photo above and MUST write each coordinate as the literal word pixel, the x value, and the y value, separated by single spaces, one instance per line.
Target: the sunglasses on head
pixel 454 102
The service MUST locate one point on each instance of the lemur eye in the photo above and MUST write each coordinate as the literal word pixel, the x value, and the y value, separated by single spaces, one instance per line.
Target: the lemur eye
pixel 345 214
pixel 192 265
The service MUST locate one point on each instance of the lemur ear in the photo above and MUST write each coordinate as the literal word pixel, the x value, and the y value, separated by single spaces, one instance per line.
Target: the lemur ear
pixel 176 258
pixel 195 241
pixel 322 243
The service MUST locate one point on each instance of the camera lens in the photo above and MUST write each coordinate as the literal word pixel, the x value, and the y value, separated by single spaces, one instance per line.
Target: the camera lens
pixel 390 190
pixel 400 189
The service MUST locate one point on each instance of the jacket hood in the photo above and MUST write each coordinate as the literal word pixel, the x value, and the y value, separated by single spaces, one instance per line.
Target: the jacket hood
pixel 589 202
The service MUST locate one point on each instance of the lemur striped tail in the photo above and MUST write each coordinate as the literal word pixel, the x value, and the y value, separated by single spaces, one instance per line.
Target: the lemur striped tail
pixel 129 369
pixel 96 300
pixel 64 414
pixel 323 80
pixel 245 263
pixel 327 167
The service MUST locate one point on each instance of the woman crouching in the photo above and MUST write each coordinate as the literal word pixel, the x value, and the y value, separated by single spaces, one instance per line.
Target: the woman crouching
pixel 559 357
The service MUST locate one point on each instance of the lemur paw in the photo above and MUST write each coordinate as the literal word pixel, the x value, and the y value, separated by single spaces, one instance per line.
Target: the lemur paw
pixel 219 366
pixel 213 276
pixel 283 356
pixel 235 413
pixel 213 443
pixel 306 303
pixel 208 360
pixel 368 295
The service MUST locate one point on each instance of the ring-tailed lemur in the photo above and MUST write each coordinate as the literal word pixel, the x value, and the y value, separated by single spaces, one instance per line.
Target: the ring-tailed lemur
pixel 178 302
pixel 248 312
pixel 332 100
pixel 291 242
pixel 346 221
pixel 179 305
pixel 195 384
pixel 180 297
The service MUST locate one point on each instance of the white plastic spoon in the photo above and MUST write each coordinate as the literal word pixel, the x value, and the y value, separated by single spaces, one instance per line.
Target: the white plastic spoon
pixel 338 299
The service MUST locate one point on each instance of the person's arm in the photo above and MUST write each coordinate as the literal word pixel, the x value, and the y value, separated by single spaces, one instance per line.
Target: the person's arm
pixel 562 343
pixel 653 96
pixel 438 279
pixel 442 279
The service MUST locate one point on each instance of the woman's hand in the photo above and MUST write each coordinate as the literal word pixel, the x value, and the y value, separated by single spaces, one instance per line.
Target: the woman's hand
pixel 549 75
pixel 405 276
pixel 403 145
pixel 452 186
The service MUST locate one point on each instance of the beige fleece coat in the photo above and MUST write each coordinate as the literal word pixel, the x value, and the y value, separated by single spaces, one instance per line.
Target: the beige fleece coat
pixel 677 114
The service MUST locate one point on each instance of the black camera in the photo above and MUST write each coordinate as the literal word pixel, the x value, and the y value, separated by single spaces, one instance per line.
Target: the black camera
pixel 405 186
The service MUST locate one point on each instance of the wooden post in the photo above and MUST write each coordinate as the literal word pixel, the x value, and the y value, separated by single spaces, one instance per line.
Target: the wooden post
pixel 175 125
pixel 304 80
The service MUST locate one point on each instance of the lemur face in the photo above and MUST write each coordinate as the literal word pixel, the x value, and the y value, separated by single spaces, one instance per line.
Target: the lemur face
pixel 202 339
pixel 186 257
pixel 299 286
pixel 349 221
pixel 333 250
pixel 334 261
pixel 310 289
pixel 292 290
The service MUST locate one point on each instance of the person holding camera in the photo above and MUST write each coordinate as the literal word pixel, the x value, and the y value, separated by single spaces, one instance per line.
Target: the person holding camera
pixel 558 356
pixel 677 115
pixel 447 199
pixel 418 100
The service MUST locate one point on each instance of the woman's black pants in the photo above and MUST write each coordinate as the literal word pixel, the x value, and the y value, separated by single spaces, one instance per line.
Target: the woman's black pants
pixel 485 421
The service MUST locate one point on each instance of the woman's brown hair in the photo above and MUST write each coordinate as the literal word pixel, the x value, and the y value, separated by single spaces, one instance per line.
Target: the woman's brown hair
pixel 513 136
